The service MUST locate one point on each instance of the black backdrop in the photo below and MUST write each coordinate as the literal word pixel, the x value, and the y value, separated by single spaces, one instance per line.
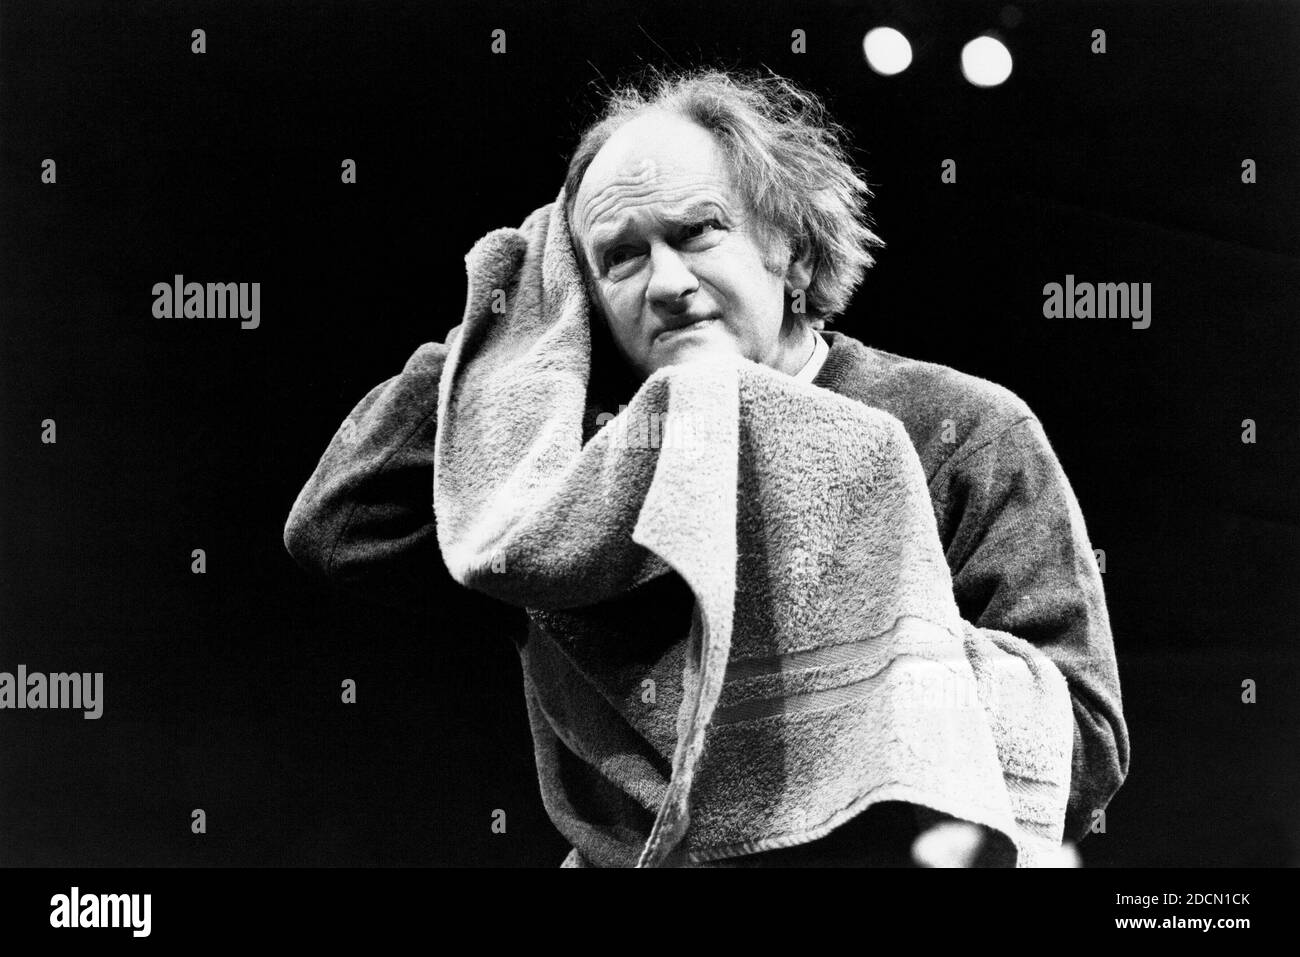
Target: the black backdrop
pixel 222 690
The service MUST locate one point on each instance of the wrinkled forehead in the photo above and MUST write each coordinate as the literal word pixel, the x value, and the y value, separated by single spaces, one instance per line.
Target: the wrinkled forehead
pixel 660 161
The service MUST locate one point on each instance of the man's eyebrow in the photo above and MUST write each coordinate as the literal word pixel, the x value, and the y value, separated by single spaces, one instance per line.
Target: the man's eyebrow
pixel 700 209
pixel 688 213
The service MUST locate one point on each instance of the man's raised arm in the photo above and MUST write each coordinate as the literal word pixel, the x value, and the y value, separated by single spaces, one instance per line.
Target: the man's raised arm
pixel 365 517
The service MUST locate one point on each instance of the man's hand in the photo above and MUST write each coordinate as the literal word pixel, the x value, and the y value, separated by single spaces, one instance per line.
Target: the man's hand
pixel 958 844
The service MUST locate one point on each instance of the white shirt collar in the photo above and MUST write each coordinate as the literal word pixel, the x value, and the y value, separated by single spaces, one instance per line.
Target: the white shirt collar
pixel 818 358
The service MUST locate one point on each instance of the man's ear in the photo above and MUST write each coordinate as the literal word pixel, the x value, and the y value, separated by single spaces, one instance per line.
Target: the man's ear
pixel 798 274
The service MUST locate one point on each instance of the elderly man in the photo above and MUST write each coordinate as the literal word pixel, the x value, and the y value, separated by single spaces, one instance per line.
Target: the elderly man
pixel 715 214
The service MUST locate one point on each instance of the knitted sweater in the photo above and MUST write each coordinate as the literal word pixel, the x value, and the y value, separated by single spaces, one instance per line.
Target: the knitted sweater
pixel 1009 524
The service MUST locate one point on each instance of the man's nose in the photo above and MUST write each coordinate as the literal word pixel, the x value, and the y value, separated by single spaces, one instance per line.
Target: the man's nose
pixel 671 281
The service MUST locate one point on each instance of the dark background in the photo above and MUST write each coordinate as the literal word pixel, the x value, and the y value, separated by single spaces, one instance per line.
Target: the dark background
pixel 222 690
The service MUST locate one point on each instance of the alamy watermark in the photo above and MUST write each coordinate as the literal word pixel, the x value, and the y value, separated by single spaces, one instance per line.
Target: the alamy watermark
pixel 1103 300
pixel 652 430
pixel 82 691
pixel 179 299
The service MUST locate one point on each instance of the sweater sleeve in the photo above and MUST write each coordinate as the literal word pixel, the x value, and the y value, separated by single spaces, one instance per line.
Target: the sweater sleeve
pixel 1022 563
pixel 364 520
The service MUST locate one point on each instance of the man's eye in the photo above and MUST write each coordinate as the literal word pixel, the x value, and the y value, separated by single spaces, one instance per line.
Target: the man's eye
pixel 696 230
pixel 618 256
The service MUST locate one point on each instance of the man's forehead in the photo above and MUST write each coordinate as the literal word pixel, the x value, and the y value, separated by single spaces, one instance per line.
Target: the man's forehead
pixel 667 160
pixel 602 188
pixel 673 197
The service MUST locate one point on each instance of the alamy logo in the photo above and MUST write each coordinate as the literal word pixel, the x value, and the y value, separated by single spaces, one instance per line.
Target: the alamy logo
pixel 1105 300
pixel 83 691
pixel 652 430
pixel 102 910
pixel 179 299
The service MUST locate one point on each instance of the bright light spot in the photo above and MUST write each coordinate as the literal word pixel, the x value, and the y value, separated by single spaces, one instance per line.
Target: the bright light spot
pixel 887 50
pixel 985 61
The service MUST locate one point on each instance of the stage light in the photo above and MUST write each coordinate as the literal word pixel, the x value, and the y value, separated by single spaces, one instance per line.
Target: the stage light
pixel 985 61
pixel 887 51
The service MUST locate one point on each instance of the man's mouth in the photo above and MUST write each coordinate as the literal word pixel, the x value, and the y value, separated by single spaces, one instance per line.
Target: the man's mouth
pixel 693 326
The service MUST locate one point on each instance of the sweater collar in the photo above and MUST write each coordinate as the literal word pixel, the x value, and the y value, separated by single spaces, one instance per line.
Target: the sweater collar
pixel 841 356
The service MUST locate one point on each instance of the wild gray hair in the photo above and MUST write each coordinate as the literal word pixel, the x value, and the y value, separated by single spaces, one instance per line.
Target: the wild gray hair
pixel 788 158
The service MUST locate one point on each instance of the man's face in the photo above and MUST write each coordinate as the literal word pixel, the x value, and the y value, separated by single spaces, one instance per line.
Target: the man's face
pixel 676 257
